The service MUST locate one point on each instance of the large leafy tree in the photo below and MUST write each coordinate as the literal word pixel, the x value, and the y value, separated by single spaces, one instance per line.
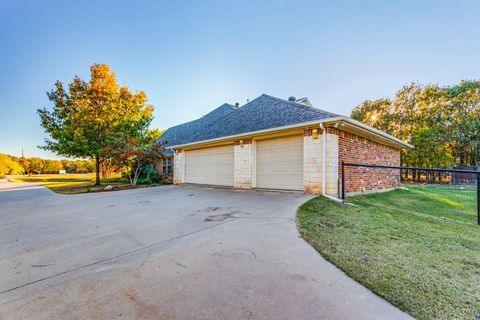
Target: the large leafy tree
pixel 442 123
pixel 89 117
pixel 9 166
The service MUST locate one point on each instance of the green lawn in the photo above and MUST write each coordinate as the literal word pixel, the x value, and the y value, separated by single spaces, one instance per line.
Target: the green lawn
pixel 419 248
pixel 76 183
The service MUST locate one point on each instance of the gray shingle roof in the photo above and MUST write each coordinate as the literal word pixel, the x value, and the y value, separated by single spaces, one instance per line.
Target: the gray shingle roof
pixel 264 112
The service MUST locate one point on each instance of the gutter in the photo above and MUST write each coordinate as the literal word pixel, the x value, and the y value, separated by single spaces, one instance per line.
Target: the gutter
pixel 297 125
pixel 292 126
pixel 368 128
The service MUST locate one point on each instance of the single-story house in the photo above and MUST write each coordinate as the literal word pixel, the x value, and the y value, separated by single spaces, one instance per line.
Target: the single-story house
pixel 272 143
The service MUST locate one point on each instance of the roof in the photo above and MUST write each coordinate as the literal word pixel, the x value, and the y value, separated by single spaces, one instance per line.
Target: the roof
pixel 264 112
pixel 182 133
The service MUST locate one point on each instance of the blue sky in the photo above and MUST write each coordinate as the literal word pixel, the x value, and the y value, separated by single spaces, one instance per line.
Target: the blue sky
pixel 192 56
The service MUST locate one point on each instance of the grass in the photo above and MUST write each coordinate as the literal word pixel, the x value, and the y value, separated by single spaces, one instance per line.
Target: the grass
pixel 418 248
pixel 77 183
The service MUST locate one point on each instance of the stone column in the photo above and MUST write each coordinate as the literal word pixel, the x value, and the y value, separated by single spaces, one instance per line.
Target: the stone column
pixel 332 165
pixel 243 160
pixel 179 167
pixel 312 162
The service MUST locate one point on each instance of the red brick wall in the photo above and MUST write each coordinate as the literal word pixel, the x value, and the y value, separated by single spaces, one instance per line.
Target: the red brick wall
pixel 355 149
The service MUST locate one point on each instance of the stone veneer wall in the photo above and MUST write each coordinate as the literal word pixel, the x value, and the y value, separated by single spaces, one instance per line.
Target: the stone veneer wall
pixel 332 164
pixel 243 160
pixel 312 163
pixel 355 149
pixel 179 167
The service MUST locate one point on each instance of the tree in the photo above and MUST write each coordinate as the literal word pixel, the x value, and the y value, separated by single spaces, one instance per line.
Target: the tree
pixel 25 163
pixel 89 117
pixel 462 121
pixel 52 166
pixel 35 165
pixel 449 116
pixel 8 165
pixel 375 113
pixel 430 150
pixel 135 153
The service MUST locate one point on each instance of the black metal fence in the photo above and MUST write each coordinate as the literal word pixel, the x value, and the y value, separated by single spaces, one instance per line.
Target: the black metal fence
pixel 455 190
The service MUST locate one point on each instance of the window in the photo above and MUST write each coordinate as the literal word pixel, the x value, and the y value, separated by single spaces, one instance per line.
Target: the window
pixel 167 166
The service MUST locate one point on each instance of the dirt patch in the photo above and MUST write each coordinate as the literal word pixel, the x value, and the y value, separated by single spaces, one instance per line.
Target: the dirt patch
pixel 219 217
pixel 325 224
pixel 471 263
pixel 145 310
pixel 298 277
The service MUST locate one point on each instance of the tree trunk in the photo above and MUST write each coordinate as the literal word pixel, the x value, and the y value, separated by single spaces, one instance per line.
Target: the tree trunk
pixel 97 170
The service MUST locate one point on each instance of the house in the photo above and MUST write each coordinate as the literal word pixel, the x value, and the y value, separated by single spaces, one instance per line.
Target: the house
pixel 273 143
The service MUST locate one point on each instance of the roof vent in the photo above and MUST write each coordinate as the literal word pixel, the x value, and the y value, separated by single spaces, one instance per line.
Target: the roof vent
pixel 291 99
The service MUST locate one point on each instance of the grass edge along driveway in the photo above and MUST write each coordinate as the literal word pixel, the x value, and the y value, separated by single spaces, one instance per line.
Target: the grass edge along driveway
pixel 79 183
pixel 402 246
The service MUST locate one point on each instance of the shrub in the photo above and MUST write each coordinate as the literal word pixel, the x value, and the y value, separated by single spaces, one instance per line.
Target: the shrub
pixel 166 179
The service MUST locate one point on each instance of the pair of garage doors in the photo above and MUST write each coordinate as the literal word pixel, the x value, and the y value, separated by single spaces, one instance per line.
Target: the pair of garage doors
pixel 278 164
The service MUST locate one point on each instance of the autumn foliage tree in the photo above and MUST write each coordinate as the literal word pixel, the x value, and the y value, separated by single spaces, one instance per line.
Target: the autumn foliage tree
pixel 135 152
pixel 442 123
pixel 9 166
pixel 88 117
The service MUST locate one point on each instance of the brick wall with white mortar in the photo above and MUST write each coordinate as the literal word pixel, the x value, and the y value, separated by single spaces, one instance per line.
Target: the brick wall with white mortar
pixel 356 149
pixel 243 158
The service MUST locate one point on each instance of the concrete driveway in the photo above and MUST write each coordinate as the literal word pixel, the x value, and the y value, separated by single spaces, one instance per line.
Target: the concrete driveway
pixel 174 252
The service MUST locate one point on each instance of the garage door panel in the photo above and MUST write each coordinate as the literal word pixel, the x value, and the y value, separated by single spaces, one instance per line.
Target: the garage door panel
pixel 210 166
pixel 280 163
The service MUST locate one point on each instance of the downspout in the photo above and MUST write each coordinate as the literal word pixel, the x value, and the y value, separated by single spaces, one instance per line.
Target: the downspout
pixel 324 165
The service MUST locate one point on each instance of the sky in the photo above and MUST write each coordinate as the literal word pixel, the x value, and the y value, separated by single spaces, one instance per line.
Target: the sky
pixel 192 56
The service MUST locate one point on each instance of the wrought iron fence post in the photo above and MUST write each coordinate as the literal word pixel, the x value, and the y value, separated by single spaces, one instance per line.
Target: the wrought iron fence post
pixel 343 180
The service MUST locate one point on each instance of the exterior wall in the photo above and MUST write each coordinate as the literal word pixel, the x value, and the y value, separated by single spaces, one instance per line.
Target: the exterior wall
pixel 179 167
pixel 312 163
pixel 341 146
pixel 332 164
pixel 355 149
pixel 243 161
pixel 159 165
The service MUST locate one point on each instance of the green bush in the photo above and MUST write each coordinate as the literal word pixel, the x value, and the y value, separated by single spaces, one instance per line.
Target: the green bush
pixel 144 181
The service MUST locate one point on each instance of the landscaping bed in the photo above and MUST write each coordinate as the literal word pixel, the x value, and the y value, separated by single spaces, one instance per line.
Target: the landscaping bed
pixel 406 246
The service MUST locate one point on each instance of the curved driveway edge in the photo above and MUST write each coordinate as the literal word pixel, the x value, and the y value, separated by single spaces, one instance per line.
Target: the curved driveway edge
pixel 176 252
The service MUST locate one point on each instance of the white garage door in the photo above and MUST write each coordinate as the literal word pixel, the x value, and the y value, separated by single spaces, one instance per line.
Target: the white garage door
pixel 280 163
pixel 210 166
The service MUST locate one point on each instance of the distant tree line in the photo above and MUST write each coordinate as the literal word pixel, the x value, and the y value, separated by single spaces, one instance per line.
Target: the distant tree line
pixel 10 165
pixel 441 122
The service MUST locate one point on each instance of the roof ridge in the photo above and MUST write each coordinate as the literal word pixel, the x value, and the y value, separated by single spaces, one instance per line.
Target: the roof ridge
pixel 295 104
